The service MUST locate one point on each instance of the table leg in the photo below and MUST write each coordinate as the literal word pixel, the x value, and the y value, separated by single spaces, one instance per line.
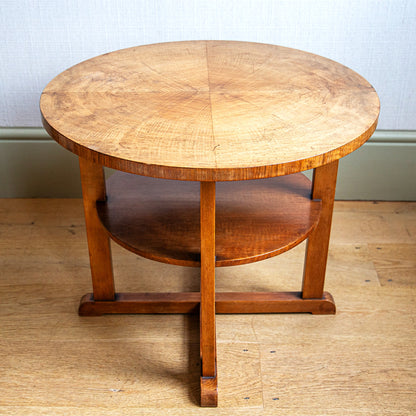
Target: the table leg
pixel 209 391
pixel 323 188
pixel 93 190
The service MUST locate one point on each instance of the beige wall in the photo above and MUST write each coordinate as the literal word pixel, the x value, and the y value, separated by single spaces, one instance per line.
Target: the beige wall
pixel 39 39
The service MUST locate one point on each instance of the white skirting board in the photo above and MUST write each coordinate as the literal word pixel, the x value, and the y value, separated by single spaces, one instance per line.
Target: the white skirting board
pixel 33 166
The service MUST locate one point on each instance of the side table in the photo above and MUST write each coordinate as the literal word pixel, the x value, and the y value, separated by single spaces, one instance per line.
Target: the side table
pixel 210 139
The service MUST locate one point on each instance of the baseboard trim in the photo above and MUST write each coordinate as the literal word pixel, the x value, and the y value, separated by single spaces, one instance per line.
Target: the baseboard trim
pixel 24 133
pixel 32 165
pixel 393 136
pixel 39 133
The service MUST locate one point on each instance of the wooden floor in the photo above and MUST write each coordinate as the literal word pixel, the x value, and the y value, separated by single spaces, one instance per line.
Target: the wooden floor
pixel 362 361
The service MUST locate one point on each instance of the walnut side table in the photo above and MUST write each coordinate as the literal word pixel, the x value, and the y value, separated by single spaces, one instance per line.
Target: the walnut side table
pixel 195 123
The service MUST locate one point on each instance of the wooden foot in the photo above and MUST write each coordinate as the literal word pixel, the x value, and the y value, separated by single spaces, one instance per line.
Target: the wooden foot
pixel 209 391
pixel 273 302
pixel 133 303
pixel 235 302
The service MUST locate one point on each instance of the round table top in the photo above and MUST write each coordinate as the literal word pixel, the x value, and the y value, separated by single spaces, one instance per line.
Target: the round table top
pixel 210 110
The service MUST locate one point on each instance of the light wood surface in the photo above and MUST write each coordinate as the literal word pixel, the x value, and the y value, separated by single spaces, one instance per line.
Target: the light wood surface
pixel 359 361
pixel 210 110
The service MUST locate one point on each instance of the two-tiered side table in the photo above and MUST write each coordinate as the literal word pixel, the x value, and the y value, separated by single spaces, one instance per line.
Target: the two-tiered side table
pixel 189 126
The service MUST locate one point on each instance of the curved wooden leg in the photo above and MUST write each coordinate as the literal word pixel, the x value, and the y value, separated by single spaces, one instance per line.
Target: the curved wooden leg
pixel 93 190
pixel 323 188
pixel 208 348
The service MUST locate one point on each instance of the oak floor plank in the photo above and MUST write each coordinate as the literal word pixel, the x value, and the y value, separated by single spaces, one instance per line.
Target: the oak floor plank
pixel 395 264
pixel 339 376
pixel 360 361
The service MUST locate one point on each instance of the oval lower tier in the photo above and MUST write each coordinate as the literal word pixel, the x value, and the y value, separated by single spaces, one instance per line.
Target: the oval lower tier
pixel 257 219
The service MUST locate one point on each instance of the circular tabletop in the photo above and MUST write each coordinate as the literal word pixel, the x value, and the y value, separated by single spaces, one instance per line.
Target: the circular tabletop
pixel 210 110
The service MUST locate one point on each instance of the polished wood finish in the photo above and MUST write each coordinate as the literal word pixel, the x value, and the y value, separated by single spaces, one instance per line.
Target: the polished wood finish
pixel 225 302
pixel 93 190
pixel 274 302
pixel 210 110
pixel 208 344
pixel 209 390
pixel 255 220
pixel 181 302
pixel 323 188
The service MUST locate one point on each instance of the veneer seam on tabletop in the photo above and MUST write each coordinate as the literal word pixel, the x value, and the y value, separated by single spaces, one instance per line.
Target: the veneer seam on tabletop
pixel 214 145
pixel 236 58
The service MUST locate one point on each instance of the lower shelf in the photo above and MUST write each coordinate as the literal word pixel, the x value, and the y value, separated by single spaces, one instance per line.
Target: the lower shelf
pixel 159 219
pixel 189 302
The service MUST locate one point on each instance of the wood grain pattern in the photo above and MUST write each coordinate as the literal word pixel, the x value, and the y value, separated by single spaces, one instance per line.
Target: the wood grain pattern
pixel 93 190
pixel 210 110
pixel 208 343
pixel 395 264
pixel 209 390
pixel 323 188
pixel 360 361
pixel 255 220
pixel 225 302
